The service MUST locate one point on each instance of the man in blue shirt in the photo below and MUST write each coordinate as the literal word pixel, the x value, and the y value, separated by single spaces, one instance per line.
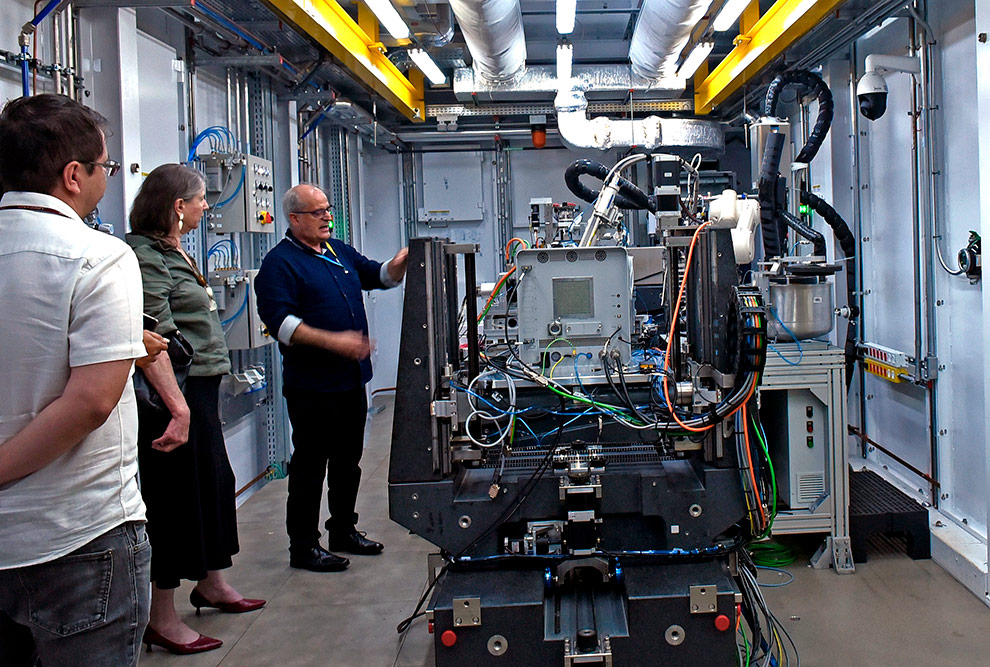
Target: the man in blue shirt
pixel 309 293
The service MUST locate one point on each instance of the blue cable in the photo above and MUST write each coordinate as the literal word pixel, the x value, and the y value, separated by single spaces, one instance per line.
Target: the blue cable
pixel 240 310
pixel 229 199
pixel 791 334
pixel 775 569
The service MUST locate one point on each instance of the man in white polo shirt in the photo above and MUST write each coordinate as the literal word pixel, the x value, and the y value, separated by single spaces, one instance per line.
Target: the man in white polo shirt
pixel 74 558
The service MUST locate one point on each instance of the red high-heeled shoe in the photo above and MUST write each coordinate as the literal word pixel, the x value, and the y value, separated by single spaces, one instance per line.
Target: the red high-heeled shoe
pixel 199 645
pixel 199 600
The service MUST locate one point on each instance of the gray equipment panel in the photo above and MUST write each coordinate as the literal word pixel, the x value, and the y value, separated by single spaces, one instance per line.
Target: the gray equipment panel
pixel 580 294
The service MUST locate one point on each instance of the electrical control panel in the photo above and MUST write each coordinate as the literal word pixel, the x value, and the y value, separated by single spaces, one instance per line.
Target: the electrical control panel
pixel 583 295
pixel 796 422
pixel 241 192
pixel 238 308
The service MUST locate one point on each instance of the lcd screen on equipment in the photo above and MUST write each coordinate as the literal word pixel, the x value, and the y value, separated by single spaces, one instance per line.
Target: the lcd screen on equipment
pixel 573 298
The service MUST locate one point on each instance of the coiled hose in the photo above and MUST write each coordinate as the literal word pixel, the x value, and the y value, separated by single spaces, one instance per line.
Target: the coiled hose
pixel 826 107
pixel 848 244
pixel 629 197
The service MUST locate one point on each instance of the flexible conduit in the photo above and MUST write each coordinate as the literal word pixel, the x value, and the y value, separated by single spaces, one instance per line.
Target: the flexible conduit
pixel 826 107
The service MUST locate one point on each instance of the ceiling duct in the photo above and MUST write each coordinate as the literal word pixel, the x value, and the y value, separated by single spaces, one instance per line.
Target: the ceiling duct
pixel 493 31
pixel 442 22
pixel 663 28
pixel 539 82
pixel 673 135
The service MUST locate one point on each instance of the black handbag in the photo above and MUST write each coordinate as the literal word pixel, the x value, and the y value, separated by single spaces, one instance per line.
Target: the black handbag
pixel 180 353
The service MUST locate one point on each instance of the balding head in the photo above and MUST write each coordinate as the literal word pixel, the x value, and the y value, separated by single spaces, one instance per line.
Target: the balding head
pixel 308 212
pixel 292 200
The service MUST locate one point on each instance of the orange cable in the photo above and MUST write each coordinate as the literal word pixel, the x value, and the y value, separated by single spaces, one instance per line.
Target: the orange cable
pixel 508 246
pixel 498 285
pixel 749 459
pixel 673 327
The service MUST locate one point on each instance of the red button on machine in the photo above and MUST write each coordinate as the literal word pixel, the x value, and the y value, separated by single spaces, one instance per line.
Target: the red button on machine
pixel 448 638
pixel 722 622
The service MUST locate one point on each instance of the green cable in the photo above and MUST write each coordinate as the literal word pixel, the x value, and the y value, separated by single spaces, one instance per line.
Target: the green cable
pixel 773 478
pixel 771 554
pixel 543 361
pixel 746 644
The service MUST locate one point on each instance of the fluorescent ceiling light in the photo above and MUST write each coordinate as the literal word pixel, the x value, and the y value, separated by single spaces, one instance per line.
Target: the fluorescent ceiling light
pixel 566 9
pixel 389 17
pixel 729 15
pixel 697 56
pixel 565 58
pixel 426 65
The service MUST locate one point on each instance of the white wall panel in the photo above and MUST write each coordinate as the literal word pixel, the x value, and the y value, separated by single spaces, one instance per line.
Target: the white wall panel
pixel 158 103
pixel 381 229
pixel 961 384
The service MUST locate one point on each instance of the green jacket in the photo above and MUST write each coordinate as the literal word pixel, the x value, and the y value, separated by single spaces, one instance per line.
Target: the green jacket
pixel 176 295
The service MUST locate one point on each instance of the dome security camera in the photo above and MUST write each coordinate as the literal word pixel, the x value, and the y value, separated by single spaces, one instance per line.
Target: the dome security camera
pixel 872 88
pixel 872 94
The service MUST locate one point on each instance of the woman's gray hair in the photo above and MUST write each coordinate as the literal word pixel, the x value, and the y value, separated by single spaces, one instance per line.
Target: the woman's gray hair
pixel 292 199
pixel 152 213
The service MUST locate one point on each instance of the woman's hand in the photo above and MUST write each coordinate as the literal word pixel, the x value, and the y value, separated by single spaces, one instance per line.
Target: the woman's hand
pixel 154 344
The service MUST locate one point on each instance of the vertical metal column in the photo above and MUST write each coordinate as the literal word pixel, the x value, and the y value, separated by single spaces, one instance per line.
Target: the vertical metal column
pixel 471 290
pixel 453 308
pixel 336 183
pixel 503 205
pixel 410 217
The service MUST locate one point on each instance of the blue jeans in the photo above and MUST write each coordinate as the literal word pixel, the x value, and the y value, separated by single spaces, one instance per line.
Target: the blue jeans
pixel 89 607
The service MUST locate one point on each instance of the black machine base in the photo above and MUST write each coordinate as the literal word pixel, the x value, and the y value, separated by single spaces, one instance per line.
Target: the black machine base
pixel 571 613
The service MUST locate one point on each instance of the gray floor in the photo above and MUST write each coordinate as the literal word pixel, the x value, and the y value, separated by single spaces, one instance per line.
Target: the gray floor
pixel 893 611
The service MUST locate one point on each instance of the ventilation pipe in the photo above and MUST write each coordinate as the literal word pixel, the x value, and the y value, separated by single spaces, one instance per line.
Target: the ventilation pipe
pixel 493 31
pixel 663 28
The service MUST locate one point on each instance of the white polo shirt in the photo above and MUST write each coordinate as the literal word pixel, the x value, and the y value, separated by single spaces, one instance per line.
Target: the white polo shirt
pixel 69 296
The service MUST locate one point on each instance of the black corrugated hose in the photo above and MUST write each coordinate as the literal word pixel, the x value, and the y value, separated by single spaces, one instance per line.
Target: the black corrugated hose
pixel 825 107
pixel 629 197
pixel 848 244
pixel 768 196
pixel 807 232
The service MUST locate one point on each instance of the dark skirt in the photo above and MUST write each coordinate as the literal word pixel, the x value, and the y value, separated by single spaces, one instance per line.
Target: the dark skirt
pixel 189 491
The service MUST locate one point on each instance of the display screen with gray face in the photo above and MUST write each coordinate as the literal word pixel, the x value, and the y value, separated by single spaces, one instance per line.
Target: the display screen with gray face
pixel 573 297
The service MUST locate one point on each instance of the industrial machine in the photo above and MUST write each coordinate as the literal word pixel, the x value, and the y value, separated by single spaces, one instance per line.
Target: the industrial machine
pixel 589 470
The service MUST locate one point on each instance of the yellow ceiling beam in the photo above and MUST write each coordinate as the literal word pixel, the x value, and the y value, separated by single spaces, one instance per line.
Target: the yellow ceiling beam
pixel 332 27
pixel 782 25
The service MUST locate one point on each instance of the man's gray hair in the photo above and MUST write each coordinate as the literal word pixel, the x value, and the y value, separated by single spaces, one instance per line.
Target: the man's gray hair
pixel 292 199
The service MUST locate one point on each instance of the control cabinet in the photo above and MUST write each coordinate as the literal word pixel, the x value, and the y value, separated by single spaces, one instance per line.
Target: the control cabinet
pixel 241 192
pixel 796 422
pixel 238 308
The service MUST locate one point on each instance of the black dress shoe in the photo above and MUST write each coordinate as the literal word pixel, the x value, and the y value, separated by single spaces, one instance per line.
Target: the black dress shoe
pixel 354 542
pixel 317 559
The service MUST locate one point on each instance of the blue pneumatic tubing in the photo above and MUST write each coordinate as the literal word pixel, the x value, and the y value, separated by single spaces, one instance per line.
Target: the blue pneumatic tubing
pixel 25 79
pixel 48 9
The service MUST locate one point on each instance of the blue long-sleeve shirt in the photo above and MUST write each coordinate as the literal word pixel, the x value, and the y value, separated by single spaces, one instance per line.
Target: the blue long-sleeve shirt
pixel 323 290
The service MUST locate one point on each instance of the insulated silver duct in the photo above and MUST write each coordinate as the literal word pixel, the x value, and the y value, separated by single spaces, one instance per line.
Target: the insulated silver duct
pixel 662 30
pixel 493 31
pixel 673 135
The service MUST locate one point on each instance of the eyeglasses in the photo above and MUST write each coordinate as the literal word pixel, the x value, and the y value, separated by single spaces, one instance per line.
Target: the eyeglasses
pixel 112 166
pixel 317 213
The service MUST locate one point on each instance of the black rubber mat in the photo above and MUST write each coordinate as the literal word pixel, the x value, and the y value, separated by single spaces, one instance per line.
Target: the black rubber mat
pixel 876 506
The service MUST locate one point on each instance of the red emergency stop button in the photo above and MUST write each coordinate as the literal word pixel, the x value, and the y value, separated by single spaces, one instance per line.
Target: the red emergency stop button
pixel 265 218
pixel 722 622
pixel 448 638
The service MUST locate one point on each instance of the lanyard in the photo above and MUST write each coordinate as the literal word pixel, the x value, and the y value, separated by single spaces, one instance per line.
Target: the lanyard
pixel 37 209
pixel 335 260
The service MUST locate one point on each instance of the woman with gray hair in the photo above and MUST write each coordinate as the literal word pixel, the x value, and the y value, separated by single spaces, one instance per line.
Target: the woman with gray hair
pixel 186 478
